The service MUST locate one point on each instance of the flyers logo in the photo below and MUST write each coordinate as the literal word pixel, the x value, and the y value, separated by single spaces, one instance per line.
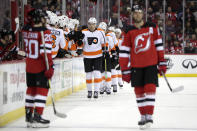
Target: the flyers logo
pixel 93 40
pixel 142 43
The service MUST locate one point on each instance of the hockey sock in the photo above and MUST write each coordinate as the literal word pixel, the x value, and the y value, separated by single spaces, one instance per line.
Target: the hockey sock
pixel 108 79
pixel 89 76
pixel 40 99
pixel 114 77
pixel 150 90
pixel 140 98
pixel 97 80
pixel 29 100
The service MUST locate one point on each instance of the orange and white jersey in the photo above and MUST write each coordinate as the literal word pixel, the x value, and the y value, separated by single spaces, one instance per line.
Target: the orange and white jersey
pixel 93 42
pixel 58 40
pixel 109 42
pixel 113 35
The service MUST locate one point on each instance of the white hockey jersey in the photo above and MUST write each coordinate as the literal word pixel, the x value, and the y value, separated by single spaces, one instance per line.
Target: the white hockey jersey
pixel 58 40
pixel 93 42
pixel 113 35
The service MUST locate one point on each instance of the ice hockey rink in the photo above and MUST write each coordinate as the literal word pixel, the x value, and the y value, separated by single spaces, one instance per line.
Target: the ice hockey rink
pixel 118 112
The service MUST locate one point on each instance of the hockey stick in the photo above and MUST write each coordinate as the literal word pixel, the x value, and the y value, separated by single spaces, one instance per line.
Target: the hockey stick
pixel 177 89
pixel 61 115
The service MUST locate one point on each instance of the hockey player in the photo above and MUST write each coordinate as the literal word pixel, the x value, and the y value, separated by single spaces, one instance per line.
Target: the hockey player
pixel 92 51
pixel 118 33
pixel 106 64
pixel 58 37
pixel 36 73
pixel 114 59
pixel 141 51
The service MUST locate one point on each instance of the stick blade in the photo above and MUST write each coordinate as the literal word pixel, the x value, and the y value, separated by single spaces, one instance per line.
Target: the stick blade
pixel 178 89
pixel 61 115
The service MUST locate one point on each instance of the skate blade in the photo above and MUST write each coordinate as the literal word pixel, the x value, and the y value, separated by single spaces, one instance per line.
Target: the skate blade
pixel 142 127
pixel 39 125
pixel 29 125
pixel 148 125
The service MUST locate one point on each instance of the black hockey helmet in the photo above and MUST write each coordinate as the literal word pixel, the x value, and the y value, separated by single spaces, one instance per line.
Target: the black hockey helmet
pixel 3 33
pixel 137 8
pixel 35 16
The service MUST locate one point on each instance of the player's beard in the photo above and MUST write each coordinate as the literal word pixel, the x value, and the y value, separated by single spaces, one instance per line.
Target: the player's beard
pixel 136 20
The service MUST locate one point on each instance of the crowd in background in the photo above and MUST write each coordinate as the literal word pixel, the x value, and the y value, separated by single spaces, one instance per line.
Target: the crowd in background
pixel 173 18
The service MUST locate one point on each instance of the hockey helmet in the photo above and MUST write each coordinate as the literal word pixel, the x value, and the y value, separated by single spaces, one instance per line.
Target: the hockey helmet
pixel 117 30
pixel 92 20
pixel 111 28
pixel 137 8
pixel 103 26
pixel 63 20
pixel 3 33
pixel 35 16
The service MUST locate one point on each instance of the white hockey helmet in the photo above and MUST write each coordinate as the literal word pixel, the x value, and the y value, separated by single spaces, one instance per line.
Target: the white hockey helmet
pixel 71 26
pixel 74 22
pixel 111 28
pixel 103 26
pixel 53 20
pixel 92 20
pixel 63 20
pixel 117 30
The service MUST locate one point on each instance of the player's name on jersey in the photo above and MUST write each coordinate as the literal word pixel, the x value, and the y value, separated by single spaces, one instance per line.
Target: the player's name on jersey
pixel 30 35
pixel 55 32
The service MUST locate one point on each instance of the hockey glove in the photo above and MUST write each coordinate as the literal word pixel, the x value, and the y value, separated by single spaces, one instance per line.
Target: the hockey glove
pixel 106 54
pixel 162 67
pixel 49 73
pixel 126 76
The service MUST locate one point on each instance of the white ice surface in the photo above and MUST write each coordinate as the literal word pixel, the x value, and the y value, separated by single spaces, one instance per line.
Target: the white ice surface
pixel 118 112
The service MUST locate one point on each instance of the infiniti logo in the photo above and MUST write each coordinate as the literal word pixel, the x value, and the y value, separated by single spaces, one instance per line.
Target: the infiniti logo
pixel 189 62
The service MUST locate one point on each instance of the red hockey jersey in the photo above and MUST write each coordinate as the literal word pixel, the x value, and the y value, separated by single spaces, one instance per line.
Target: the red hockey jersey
pixel 35 58
pixel 141 47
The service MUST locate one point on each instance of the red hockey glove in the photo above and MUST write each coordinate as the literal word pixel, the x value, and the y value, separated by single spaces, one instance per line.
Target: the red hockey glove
pixel 162 67
pixel 126 75
pixel 49 73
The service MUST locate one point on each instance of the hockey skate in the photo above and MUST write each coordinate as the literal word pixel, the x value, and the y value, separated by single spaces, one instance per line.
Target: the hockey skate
pixel 95 94
pixel 114 88
pixel 149 121
pixel 120 85
pixel 29 118
pixel 89 94
pixel 39 122
pixel 142 123
pixel 108 91
pixel 102 90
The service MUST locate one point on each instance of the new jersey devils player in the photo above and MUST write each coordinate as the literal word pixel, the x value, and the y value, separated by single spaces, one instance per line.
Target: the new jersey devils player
pixel 36 73
pixel 141 53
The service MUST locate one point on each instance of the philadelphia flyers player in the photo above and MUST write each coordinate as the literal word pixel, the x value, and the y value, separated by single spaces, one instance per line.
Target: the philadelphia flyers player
pixel 92 52
pixel 141 59
pixel 36 73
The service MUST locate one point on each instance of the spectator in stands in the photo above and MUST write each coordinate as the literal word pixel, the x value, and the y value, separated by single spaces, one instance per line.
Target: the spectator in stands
pixel 6 20
pixel 69 11
pixel 8 47
pixel 193 41
pixel 38 4
pixel 171 15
